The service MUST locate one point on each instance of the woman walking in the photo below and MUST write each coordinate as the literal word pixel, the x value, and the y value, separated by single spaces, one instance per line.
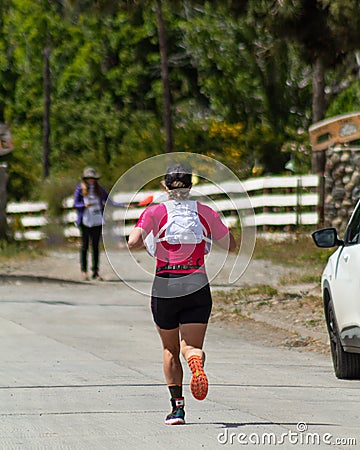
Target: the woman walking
pixel 89 200
pixel 181 298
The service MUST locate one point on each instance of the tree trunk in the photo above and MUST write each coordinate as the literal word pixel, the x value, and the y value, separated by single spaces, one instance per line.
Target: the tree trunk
pixel 46 124
pixel 318 110
pixel 169 145
pixel 318 102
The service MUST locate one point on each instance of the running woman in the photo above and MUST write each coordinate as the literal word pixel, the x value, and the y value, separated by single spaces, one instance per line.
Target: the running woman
pixel 181 299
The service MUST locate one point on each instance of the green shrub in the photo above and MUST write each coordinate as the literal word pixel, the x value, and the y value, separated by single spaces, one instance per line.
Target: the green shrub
pixel 54 191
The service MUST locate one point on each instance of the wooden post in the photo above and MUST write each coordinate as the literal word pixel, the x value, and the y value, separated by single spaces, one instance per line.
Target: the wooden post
pixel 3 200
pixel 266 208
pixel 298 202
pixel 321 204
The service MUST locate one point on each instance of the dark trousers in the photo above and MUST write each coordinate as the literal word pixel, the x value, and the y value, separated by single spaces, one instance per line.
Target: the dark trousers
pixel 90 234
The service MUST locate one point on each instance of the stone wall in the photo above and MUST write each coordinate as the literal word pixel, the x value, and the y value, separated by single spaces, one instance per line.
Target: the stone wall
pixel 342 185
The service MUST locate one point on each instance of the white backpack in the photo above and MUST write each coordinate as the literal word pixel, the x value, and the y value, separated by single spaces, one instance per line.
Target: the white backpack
pixel 183 226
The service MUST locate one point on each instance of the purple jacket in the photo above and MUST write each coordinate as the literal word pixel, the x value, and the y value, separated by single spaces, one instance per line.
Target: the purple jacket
pixel 80 205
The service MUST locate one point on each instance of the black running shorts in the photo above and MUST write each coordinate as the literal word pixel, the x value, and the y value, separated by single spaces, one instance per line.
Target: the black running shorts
pixel 179 299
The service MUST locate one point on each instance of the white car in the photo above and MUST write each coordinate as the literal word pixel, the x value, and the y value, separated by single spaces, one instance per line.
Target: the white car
pixel 340 284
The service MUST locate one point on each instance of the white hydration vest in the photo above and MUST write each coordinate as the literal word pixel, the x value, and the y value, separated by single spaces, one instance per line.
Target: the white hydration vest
pixel 183 226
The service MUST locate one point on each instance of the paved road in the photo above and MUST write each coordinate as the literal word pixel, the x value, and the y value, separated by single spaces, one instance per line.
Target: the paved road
pixel 81 369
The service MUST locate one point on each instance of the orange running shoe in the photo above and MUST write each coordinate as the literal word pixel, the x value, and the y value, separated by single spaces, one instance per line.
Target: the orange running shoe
pixel 199 382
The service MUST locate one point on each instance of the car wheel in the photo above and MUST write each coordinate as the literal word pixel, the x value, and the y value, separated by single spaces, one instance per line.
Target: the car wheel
pixel 346 365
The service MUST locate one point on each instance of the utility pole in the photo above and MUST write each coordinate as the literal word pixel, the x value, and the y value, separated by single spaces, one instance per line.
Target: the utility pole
pixel 46 123
pixel 167 117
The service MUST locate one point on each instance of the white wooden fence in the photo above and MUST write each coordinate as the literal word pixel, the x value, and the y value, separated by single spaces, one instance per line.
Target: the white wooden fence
pixel 277 202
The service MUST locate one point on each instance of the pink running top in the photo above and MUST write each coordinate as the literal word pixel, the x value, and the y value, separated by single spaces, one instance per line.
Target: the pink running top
pixel 155 216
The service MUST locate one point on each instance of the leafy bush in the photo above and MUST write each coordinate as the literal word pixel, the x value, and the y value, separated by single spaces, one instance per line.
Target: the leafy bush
pixel 54 191
pixel 346 101
pixel 24 165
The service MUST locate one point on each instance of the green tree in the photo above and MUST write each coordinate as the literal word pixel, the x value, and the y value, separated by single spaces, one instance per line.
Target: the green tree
pixel 240 82
pixel 109 7
pixel 249 78
pixel 325 31
pixel 32 30
pixel 8 74
pixel 106 78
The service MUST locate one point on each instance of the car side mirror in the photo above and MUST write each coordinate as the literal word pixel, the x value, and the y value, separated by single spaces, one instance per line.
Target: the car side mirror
pixel 327 238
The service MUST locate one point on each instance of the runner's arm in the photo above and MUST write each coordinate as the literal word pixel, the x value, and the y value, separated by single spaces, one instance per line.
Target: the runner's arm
pixel 227 242
pixel 219 232
pixel 136 238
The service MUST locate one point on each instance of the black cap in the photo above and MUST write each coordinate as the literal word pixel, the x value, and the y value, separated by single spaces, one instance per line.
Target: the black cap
pixel 178 176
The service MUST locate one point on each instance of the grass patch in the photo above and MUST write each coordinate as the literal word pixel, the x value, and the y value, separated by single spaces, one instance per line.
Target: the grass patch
pixel 306 276
pixel 246 293
pixel 298 250
pixel 18 251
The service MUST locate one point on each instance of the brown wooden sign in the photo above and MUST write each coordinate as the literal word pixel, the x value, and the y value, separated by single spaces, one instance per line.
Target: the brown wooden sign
pixel 336 130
